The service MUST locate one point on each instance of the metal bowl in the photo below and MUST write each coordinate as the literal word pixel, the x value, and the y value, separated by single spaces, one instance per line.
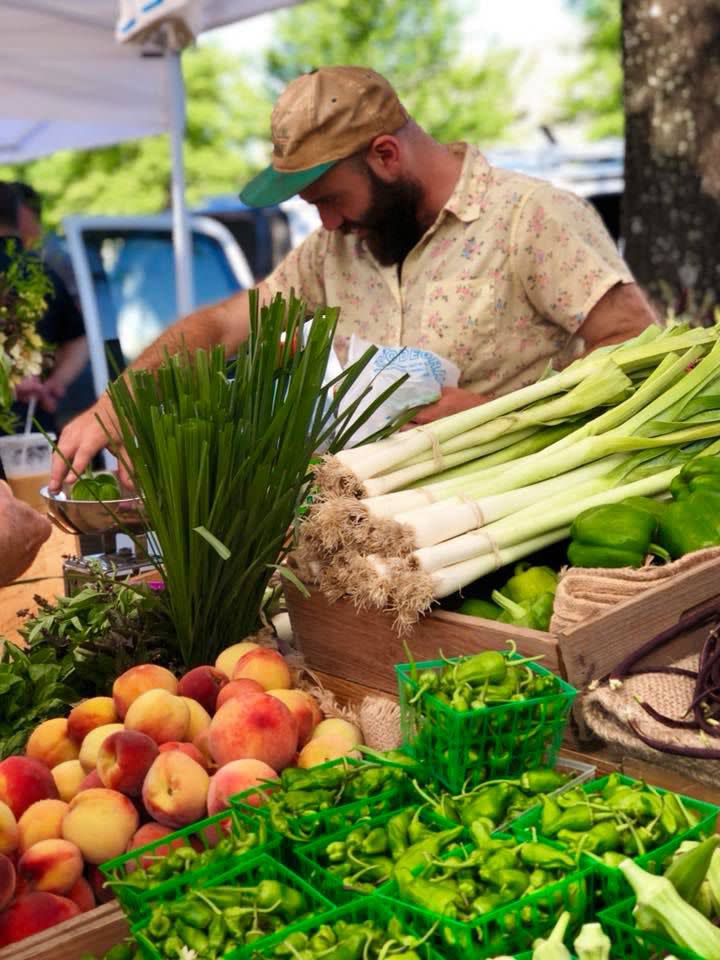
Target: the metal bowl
pixel 94 516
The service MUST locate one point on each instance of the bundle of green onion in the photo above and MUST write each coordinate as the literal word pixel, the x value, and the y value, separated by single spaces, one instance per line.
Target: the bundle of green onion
pixel 411 519
pixel 220 455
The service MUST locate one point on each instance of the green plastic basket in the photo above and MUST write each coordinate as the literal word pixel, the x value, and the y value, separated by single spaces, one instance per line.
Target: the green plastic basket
pixel 372 908
pixel 305 827
pixel 613 886
pixel 507 931
pixel 246 872
pixel 476 745
pixel 203 835
pixel 308 863
pixel 633 944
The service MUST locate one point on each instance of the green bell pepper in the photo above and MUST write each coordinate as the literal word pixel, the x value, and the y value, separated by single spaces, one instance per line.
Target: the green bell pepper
pixel 691 523
pixel 611 535
pixel 702 473
pixel 529 582
pixel 535 613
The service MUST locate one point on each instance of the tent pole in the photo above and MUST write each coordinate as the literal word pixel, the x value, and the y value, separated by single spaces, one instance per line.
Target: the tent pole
pixel 182 245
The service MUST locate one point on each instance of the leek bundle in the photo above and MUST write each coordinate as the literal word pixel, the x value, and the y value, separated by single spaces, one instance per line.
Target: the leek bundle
pixel 504 479
pixel 220 455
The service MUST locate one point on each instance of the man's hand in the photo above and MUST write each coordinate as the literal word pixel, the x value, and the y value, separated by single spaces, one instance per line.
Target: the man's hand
pixel 81 439
pixel 47 392
pixel 22 532
pixel 453 400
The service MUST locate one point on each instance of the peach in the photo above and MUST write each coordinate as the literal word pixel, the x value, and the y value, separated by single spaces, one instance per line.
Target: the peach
pixel 100 823
pixel 202 742
pixel 82 895
pixel 199 718
pixel 303 707
pixel 203 685
pixel 226 660
pixel 91 781
pixel 335 727
pixel 93 741
pixel 160 715
pixel 175 789
pixel 50 743
pixel 257 726
pixel 41 821
pixel 238 688
pixel 68 776
pixel 234 777
pixel 51 866
pixel 322 749
pixel 96 879
pixel 187 748
pixel 9 834
pixel 32 913
pixel 8 881
pixel 124 759
pixel 150 833
pixel 95 712
pixel 23 781
pixel 138 680
pixel 266 666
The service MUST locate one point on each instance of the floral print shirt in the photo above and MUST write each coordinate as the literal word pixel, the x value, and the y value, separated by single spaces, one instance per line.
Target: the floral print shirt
pixel 499 284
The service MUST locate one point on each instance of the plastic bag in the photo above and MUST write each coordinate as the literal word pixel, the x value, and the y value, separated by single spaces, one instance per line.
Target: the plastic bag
pixel 427 373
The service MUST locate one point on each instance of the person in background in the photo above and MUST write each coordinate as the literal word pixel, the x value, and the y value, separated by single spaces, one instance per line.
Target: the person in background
pixel 422 244
pixel 61 326
pixel 22 532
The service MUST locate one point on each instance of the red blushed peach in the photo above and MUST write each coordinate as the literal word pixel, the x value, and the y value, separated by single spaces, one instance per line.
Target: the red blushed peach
pixel 93 741
pixel 9 834
pixel 82 895
pixel 257 726
pixel 68 776
pixel 51 866
pixel 187 748
pixel 160 715
pixel 202 742
pixel 24 781
pixel 175 789
pixel 50 743
pixel 100 823
pixel 266 666
pixel 199 718
pixel 303 707
pixel 91 781
pixel 138 680
pixel 96 879
pixel 32 913
pixel 226 661
pixel 150 833
pixel 234 777
pixel 321 749
pixel 8 881
pixel 41 821
pixel 124 759
pixel 203 685
pixel 95 712
pixel 238 688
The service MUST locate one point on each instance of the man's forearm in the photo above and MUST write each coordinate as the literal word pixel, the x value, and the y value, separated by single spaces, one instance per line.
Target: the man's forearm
pixel 70 360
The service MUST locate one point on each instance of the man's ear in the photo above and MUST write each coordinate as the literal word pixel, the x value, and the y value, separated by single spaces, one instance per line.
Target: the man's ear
pixel 384 157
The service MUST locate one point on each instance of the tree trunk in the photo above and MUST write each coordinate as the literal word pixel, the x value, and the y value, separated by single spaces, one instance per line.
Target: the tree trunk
pixel 671 210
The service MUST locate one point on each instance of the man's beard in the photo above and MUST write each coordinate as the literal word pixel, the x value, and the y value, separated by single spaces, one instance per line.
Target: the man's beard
pixel 391 222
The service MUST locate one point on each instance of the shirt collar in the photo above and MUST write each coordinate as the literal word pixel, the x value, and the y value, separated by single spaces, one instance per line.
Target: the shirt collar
pixel 465 202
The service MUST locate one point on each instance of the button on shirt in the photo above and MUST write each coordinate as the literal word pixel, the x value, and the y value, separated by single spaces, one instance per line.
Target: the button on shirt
pixel 499 284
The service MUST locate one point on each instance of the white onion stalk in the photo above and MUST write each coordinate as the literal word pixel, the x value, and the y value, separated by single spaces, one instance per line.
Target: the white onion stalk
pixel 583 387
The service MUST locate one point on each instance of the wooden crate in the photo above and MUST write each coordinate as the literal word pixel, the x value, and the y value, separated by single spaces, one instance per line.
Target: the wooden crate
pixel 363 647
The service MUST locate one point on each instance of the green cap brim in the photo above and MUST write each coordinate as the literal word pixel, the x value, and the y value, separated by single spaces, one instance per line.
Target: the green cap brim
pixel 271 186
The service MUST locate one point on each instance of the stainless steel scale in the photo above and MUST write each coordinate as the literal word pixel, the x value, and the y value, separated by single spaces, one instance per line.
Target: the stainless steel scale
pixel 97 526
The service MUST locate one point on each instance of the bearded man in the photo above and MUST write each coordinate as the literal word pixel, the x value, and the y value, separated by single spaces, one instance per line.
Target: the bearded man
pixel 422 244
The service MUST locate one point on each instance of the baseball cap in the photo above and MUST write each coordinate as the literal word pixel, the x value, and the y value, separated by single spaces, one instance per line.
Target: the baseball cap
pixel 320 118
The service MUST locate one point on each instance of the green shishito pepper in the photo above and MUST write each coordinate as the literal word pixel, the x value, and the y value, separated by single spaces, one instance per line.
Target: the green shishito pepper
pixel 475 607
pixel 612 535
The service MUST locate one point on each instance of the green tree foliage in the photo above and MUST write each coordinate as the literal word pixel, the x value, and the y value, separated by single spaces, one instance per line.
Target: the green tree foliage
pixel 417 46
pixel 226 118
pixel 594 93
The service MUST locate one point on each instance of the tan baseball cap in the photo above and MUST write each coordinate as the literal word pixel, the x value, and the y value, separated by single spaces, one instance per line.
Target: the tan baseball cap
pixel 320 118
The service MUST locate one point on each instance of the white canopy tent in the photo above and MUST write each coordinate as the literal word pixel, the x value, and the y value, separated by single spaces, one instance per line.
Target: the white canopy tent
pixel 66 83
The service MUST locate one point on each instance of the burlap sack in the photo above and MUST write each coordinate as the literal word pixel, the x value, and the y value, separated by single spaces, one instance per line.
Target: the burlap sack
pixel 585 593
pixel 608 709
